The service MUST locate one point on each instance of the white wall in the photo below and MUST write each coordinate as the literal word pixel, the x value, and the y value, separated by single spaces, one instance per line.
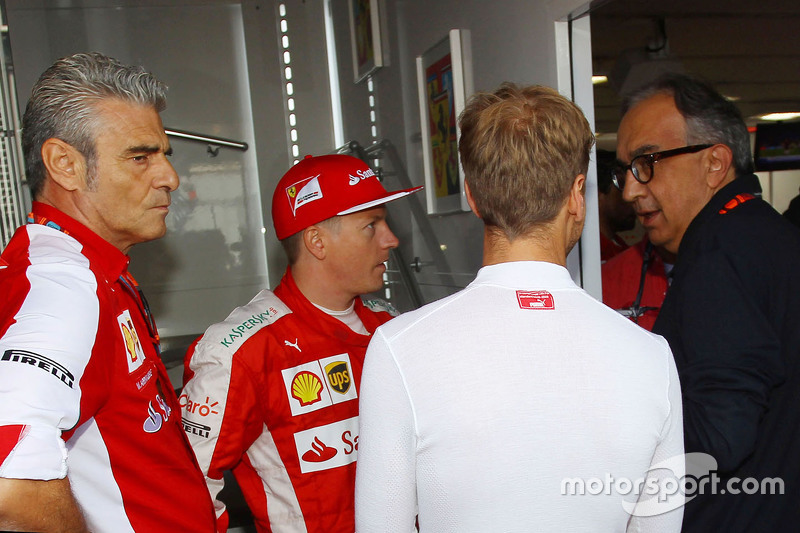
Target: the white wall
pixel 222 61
pixel 213 257
pixel 780 187
pixel 511 40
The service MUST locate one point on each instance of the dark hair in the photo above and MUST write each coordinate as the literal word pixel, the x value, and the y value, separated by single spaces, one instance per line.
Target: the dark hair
pixel 62 105
pixel 605 165
pixel 521 149
pixel 710 117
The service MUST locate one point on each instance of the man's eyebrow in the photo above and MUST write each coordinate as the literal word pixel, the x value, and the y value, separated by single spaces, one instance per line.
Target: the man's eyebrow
pixel 146 149
pixel 644 150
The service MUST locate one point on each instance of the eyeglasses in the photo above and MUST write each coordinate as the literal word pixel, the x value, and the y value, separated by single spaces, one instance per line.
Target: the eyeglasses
pixel 642 165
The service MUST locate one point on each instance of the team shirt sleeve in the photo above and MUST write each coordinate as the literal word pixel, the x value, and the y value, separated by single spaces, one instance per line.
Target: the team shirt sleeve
pixel 386 472
pixel 44 350
pixel 219 406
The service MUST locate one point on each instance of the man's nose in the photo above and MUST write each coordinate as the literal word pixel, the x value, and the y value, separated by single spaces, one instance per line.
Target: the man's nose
pixel 167 177
pixel 390 240
pixel 632 189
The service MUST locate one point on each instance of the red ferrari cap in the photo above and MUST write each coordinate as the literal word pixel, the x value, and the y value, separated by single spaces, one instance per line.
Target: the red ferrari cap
pixel 318 188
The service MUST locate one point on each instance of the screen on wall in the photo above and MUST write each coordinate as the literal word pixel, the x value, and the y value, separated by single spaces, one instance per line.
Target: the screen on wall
pixel 777 146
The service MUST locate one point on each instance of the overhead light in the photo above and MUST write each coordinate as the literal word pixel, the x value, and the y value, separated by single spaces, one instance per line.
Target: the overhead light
pixel 732 98
pixel 636 67
pixel 780 116
pixel 597 80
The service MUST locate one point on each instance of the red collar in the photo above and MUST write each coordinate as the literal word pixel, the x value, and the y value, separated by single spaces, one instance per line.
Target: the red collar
pixel 107 258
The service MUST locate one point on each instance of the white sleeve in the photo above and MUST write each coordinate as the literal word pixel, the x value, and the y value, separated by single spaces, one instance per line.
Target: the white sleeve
pixel 212 379
pixel 662 512
pixel 43 354
pixel 386 494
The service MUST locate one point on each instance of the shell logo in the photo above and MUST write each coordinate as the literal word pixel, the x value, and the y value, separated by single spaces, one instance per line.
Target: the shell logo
pixel 306 388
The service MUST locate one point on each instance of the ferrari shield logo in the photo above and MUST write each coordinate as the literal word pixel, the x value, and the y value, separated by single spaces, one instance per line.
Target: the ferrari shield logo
pixel 133 347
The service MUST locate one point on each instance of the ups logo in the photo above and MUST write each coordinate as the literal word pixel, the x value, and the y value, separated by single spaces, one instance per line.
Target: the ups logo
pixel 338 376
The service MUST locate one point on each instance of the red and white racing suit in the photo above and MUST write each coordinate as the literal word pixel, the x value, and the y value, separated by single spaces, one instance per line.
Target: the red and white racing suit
pixel 82 389
pixel 272 394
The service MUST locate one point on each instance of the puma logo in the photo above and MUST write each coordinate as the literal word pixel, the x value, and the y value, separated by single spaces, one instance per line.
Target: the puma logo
pixel 293 344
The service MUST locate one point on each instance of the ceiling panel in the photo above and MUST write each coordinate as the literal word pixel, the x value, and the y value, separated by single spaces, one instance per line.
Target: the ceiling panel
pixel 748 50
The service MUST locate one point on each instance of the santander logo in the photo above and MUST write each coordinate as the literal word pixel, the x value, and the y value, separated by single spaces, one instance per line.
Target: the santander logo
pixel 362 175
pixel 319 452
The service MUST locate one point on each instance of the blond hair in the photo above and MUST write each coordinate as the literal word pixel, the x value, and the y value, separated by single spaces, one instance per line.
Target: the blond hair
pixel 521 149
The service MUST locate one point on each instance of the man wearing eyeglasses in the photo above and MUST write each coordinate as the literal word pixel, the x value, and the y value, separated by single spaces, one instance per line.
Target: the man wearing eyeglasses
pixel 732 313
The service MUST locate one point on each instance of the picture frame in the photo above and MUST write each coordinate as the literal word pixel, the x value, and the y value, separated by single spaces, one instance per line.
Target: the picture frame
pixel 365 37
pixel 444 78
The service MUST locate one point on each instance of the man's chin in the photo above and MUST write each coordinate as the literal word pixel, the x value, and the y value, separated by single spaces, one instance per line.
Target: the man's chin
pixel 376 286
pixel 156 232
pixel 656 238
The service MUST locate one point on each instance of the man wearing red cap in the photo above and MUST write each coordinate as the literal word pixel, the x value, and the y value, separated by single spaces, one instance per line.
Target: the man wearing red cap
pixel 272 392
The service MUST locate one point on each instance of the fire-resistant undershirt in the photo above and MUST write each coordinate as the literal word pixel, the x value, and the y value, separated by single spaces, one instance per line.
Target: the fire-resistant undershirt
pixel 477 409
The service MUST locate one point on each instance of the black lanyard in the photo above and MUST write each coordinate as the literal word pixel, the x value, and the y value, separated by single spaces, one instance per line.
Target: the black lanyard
pixel 133 289
pixel 636 310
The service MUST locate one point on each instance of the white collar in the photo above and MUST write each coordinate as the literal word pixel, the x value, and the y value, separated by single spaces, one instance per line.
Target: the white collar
pixel 526 274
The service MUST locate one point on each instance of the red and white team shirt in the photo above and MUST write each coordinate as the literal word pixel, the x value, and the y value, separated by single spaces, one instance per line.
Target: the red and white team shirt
pixel 83 391
pixel 272 394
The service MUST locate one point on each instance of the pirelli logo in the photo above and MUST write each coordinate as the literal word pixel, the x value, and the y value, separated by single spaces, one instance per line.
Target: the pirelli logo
pixel 39 361
pixel 193 428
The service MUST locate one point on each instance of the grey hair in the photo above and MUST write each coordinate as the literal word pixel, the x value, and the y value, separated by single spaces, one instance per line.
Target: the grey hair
pixel 63 105
pixel 710 117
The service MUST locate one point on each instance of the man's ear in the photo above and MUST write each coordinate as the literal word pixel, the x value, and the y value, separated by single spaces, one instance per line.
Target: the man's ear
pixel 314 241
pixel 65 165
pixel 718 161
pixel 576 202
pixel 471 200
